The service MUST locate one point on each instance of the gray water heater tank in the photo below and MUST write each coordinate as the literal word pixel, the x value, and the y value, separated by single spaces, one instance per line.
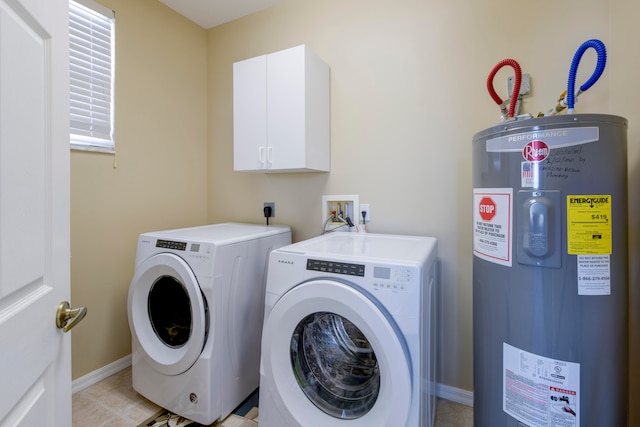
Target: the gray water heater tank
pixel 550 272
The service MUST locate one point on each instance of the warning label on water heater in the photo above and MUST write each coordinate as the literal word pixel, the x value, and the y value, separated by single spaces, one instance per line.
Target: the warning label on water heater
pixel 589 224
pixel 594 274
pixel 492 224
pixel 539 391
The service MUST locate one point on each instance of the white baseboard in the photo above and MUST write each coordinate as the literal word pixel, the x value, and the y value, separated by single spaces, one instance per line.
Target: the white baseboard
pixel 453 394
pixel 443 391
pixel 99 374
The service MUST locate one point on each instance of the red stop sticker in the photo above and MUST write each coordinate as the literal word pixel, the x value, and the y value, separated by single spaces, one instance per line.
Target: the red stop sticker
pixel 487 208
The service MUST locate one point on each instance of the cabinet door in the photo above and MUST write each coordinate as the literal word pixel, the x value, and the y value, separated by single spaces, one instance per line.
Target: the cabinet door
pixel 286 109
pixel 250 114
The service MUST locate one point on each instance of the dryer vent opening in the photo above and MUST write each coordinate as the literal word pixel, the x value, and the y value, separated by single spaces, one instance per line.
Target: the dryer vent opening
pixel 170 311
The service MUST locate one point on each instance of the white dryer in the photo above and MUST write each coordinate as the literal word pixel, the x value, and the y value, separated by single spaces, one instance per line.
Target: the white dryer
pixel 349 333
pixel 196 304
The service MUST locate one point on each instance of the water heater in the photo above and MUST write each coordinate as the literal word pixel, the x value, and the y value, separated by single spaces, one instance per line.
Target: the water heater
pixel 550 272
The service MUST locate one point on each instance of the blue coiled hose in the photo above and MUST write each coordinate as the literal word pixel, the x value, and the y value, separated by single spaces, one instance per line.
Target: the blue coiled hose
pixel 602 60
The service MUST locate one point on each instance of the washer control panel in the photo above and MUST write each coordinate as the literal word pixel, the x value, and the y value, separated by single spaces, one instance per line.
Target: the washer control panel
pixel 392 278
pixel 375 277
pixel 335 267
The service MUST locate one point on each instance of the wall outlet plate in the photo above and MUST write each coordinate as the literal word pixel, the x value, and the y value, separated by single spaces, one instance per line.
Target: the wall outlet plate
pixel 364 207
pixel 273 208
pixel 345 205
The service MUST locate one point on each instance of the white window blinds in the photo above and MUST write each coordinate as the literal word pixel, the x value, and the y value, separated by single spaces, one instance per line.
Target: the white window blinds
pixel 91 50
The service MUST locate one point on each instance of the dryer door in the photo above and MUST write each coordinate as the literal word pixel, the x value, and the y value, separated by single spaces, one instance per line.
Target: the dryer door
pixel 167 313
pixel 335 357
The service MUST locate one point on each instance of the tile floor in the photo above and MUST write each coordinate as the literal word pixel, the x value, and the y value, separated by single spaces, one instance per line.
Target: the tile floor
pixel 113 402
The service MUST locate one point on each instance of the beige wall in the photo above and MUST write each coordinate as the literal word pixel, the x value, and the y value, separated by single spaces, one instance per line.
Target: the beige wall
pixel 625 34
pixel 160 180
pixel 407 94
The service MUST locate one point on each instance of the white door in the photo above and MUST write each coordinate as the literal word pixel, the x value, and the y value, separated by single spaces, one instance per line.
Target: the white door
pixel 35 367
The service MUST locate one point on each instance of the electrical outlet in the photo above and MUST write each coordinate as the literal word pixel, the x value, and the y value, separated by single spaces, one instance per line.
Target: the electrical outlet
pixel 342 205
pixel 272 205
pixel 364 207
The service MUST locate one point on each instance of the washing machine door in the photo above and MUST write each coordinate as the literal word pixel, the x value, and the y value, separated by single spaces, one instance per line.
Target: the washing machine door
pixel 335 357
pixel 168 315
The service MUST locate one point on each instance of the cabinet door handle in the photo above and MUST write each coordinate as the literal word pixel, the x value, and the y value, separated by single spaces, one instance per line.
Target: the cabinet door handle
pixel 269 159
pixel 261 155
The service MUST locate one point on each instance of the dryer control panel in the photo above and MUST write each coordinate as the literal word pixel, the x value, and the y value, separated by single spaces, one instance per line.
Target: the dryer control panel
pixel 197 254
pixel 170 244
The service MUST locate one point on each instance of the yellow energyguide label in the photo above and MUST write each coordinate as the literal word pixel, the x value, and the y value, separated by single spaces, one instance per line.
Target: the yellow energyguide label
pixel 589 224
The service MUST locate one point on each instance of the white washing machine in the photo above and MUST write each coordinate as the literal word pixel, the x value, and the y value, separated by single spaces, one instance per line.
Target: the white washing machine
pixel 196 305
pixel 349 333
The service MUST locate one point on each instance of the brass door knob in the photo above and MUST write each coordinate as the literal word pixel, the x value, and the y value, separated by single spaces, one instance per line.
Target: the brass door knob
pixel 67 317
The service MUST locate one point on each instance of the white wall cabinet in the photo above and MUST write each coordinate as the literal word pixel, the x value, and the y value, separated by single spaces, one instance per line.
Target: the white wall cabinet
pixel 281 112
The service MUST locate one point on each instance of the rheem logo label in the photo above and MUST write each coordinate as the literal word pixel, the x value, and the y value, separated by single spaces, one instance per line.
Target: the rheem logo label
pixel 535 151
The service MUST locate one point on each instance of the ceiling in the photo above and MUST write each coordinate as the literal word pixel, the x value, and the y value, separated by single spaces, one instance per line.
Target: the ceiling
pixel 209 13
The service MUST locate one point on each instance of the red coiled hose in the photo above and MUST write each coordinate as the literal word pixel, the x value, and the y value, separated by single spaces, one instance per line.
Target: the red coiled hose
pixel 516 85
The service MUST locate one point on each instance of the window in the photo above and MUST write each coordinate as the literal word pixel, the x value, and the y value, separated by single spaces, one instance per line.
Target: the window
pixel 91 69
